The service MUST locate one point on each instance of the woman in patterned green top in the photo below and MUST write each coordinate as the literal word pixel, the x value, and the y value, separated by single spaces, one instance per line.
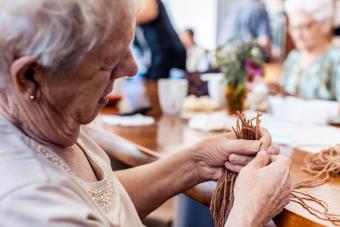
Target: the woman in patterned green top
pixel 319 80
pixel 312 71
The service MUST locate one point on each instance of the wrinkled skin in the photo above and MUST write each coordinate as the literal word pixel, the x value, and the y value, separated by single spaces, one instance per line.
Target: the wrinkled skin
pixel 262 190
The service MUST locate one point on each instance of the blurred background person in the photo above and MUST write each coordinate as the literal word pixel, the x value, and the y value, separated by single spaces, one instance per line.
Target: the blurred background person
pixel 337 16
pixel 160 49
pixel 337 22
pixel 247 19
pixel 312 70
pixel 197 57
pixel 159 53
pixel 278 26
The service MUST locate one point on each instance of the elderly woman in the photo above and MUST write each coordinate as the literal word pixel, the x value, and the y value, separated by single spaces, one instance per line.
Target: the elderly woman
pixel 312 71
pixel 58 62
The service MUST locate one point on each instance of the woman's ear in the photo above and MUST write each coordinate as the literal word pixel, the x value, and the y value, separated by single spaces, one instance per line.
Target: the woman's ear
pixel 25 75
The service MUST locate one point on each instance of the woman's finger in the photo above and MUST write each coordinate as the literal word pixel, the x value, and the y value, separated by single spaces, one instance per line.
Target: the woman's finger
pixel 274 149
pixel 232 167
pixel 241 160
pixel 230 135
pixel 265 139
pixel 243 147
pixel 226 135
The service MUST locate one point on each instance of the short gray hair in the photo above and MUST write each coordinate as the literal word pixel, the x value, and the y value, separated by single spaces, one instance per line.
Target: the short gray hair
pixel 319 9
pixel 57 33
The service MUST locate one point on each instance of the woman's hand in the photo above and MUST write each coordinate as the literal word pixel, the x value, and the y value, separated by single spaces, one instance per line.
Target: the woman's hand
pixel 261 191
pixel 276 89
pixel 215 154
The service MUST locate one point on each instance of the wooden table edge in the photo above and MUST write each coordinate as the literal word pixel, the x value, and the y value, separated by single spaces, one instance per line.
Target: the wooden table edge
pixel 285 218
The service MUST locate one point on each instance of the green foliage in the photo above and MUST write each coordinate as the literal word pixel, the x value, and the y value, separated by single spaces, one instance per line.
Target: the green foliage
pixel 232 58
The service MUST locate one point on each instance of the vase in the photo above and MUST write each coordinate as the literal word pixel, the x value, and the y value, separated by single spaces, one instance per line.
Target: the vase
pixel 236 95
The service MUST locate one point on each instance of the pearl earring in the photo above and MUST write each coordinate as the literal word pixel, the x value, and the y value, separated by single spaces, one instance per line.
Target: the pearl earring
pixel 32 97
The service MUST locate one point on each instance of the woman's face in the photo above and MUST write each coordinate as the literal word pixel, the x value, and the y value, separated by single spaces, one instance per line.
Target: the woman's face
pixel 305 31
pixel 80 97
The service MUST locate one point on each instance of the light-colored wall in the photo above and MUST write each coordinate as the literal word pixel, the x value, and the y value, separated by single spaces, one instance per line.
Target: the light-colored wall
pixel 337 12
pixel 200 15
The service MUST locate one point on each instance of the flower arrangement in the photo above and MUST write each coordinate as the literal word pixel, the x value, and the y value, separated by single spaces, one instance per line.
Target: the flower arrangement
pixel 240 62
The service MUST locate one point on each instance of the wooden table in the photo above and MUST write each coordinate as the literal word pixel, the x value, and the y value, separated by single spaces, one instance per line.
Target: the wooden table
pixel 171 134
pixel 140 145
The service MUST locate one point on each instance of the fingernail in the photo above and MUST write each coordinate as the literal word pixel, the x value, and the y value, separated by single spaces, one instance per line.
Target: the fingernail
pixel 262 152
pixel 259 146
pixel 270 150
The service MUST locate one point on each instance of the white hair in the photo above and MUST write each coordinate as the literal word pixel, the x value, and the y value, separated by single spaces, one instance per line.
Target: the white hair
pixel 57 33
pixel 319 9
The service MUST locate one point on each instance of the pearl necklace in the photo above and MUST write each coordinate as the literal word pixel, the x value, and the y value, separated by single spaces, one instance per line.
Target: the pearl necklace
pixel 102 195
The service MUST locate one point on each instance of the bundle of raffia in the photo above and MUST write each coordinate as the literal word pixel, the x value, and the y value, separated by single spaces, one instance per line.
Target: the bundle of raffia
pixel 321 167
pixel 223 197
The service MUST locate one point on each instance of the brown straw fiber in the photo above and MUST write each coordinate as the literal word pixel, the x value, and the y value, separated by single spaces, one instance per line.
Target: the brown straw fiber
pixel 321 167
pixel 223 197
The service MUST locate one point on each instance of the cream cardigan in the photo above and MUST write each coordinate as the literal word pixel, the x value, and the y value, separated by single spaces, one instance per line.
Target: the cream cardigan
pixel 38 189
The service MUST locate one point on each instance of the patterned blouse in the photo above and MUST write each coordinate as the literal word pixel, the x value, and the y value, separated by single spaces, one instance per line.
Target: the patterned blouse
pixel 321 80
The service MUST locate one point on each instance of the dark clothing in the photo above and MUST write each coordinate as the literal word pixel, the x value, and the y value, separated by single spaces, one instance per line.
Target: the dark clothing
pixel 167 51
pixel 337 31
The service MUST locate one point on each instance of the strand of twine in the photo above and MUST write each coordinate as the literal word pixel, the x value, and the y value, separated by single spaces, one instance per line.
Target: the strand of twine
pixel 321 167
pixel 223 197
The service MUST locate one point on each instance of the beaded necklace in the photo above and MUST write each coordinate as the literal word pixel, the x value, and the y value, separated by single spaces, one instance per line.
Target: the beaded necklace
pixel 102 193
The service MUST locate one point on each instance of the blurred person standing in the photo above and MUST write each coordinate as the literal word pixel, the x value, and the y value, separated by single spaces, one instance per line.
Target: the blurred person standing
pixel 247 19
pixel 336 40
pixel 197 57
pixel 312 70
pixel 337 17
pixel 278 25
pixel 157 42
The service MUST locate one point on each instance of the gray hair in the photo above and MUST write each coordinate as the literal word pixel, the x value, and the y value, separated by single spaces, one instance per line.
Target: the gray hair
pixel 319 9
pixel 57 33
